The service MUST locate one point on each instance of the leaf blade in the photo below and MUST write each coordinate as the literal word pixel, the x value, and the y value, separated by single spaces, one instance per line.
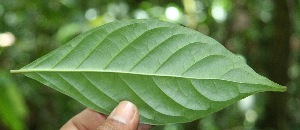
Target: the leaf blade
pixel 173 74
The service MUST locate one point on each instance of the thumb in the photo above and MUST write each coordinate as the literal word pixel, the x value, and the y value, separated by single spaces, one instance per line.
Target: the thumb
pixel 124 117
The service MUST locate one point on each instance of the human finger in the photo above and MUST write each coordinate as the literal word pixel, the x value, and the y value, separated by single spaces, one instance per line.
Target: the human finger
pixel 124 117
pixel 88 119
pixel 144 127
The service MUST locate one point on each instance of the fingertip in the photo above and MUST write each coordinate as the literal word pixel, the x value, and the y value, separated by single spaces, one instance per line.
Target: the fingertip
pixel 125 112
pixel 124 117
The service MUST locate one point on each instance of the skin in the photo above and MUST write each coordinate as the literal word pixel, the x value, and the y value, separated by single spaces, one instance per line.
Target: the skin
pixel 124 117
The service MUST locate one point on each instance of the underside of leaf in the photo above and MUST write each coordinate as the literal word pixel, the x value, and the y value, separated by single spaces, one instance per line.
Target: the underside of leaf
pixel 172 73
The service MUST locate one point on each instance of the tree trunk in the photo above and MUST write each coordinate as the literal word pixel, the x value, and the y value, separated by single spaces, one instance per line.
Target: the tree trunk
pixel 277 67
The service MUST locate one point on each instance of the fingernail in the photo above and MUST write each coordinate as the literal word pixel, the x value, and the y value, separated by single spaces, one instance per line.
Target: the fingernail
pixel 124 112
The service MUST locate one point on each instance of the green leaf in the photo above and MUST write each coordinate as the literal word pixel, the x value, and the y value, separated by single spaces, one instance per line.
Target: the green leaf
pixel 13 109
pixel 172 73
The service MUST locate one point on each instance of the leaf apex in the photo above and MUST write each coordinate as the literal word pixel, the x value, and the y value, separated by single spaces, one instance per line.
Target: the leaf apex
pixel 14 71
pixel 282 88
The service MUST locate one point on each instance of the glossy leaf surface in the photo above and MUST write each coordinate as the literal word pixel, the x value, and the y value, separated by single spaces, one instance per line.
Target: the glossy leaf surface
pixel 172 73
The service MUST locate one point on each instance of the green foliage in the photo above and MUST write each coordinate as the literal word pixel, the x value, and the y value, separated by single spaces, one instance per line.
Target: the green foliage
pixel 172 73
pixel 13 109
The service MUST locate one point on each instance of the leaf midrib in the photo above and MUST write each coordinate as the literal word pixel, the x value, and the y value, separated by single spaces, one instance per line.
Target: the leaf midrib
pixel 133 73
pixel 103 71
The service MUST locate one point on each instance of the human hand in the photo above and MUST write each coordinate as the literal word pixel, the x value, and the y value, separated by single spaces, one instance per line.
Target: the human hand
pixel 124 117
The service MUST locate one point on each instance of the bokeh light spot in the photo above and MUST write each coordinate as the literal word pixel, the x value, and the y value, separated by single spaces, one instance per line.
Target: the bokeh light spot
pixel 251 115
pixel 7 39
pixel 141 14
pixel 91 14
pixel 218 13
pixel 246 103
pixel 172 13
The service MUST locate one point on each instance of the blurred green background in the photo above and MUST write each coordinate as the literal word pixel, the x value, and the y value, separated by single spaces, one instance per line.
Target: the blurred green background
pixel 266 33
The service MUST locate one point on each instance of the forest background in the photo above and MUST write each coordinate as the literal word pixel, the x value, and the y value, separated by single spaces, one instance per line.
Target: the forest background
pixel 266 33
